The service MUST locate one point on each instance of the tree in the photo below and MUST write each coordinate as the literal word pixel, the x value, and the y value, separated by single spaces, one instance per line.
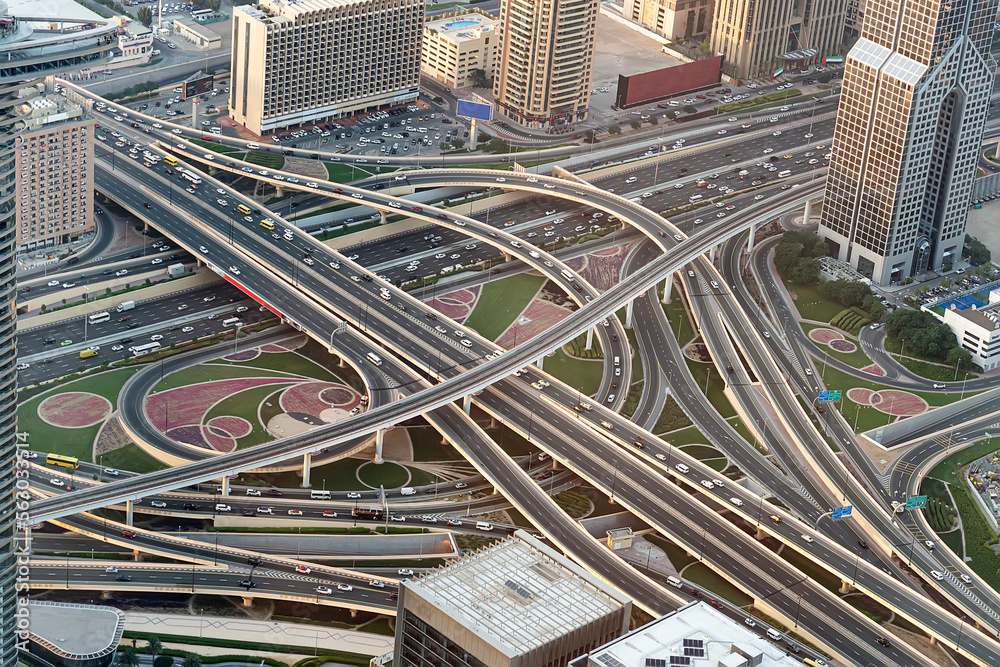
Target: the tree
pixel 191 660
pixel 614 129
pixel 591 136
pixel 976 251
pixel 127 657
pixel 689 109
pixel 635 124
pixel 653 120
pixel 215 5
pixel 145 16
pixel 960 357
pixel 154 646
pixel 480 80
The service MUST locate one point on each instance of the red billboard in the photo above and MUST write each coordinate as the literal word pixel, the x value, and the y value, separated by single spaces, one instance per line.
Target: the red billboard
pixel 667 82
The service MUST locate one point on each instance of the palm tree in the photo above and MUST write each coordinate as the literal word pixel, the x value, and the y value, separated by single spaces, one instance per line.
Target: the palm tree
pixel 154 646
pixel 191 660
pixel 127 657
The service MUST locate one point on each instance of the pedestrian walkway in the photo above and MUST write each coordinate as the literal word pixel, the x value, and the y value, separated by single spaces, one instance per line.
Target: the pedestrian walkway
pixel 313 637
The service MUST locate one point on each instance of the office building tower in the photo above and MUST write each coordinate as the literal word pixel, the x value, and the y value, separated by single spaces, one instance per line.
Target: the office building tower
pixel 758 37
pixel 49 52
pixel 546 61
pixel 909 129
pixel 454 48
pixel 670 18
pixel 517 603
pixel 55 174
pixel 298 62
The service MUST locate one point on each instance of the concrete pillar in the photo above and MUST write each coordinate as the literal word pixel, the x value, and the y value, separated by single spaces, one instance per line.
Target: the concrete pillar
pixel 845 587
pixel 105 595
pixel 225 485
pixel 668 286
pixel 761 534
pixel 279 191
pixel 247 602
pixel 628 314
pixel 381 217
pixel 137 555
pixel 306 470
pixel 379 441
pixel 128 512
pixel 590 339
pixel 753 234
pixel 507 257
pixel 540 362
pixel 711 254
pixel 145 227
pixel 933 640
pixel 354 613
pixel 467 403
pixel 341 363
pixel 805 212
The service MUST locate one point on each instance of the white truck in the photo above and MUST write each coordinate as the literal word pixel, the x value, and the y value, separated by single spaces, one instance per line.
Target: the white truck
pixel 125 305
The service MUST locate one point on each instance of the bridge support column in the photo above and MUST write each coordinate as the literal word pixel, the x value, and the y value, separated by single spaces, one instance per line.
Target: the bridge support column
pixel 507 257
pixel 668 286
pixel 247 602
pixel 145 227
pixel 354 613
pixel 753 234
pixel 711 254
pixel 225 485
pixel 590 339
pixel 381 217
pixel 444 440
pixel 105 595
pixel 306 470
pixel 761 534
pixel 540 362
pixel 137 555
pixel 128 512
pixel 845 588
pixel 279 191
pixel 467 403
pixel 806 211
pixel 628 314
pixel 341 363
pixel 379 442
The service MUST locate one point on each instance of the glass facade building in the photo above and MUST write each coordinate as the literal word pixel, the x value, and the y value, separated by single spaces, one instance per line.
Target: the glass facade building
pixel 909 128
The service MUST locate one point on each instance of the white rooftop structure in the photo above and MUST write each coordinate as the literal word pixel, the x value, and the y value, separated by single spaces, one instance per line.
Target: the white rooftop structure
pixel 518 593
pixel 694 636
pixel 465 27
pixel 55 9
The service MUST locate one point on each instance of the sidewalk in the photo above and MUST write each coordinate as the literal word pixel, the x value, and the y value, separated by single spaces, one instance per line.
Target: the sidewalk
pixel 270 632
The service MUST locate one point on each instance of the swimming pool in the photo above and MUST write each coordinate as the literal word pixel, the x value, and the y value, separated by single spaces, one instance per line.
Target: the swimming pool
pixel 460 24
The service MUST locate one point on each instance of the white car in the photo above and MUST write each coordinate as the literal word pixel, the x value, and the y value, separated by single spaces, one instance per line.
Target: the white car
pixel 345 587
pixel 157 261
pixel 736 501
pixel 807 538
pixel 52 283
pixel 324 590
pixel 203 250
pixel 187 329
pixel 117 348
pixel 23 367
pixel 354 495
pixel 156 337
pixel 303 569
pixel 121 272
pixel 405 572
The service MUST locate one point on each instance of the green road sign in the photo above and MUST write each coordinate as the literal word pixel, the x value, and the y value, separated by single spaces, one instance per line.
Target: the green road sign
pixel 916 502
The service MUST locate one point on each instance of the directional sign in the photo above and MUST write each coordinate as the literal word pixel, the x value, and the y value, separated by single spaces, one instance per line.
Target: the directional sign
pixel 830 395
pixel 916 502
pixel 842 512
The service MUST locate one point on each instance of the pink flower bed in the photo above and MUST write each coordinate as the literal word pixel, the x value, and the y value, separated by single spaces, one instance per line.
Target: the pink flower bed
pixel 844 346
pixel 237 427
pixel 899 403
pixel 245 355
pixel 824 336
pixel 604 267
pixel 860 395
pixel 74 409
pixel 874 369
pixel 337 396
pixel 304 398
pixel 187 405
pixel 543 316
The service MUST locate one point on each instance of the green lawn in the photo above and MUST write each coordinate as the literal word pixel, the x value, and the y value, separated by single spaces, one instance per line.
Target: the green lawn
pixel 389 475
pixel 678 555
pixel 212 146
pixel 345 173
pixel 856 359
pixel 932 369
pixel 207 373
pixel 107 384
pixel 266 159
pixel 716 386
pixel 336 476
pixel 953 539
pixel 244 404
pixel 717 465
pixel 130 457
pixel 710 580
pixel 702 452
pixel 427 445
pixel 581 374
pixel 685 436
pixel 679 321
pixel 947 469
pixel 820 575
pixel 501 301
pixel 834 379
pixel 811 304
pixel 287 362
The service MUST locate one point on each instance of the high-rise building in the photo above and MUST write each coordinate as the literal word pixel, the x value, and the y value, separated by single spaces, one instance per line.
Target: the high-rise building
pixel 55 173
pixel 296 62
pixel 757 37
pixel 513 604
pixel 454 48
pixel 909 127
pixel 546 61
pixel 674 19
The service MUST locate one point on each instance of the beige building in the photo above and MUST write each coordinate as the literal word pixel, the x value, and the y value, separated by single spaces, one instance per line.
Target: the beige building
pixel 757 37
pixel 546 61
pixel 673 19
pixel 55 174
pixel 454 48
pixel 297 63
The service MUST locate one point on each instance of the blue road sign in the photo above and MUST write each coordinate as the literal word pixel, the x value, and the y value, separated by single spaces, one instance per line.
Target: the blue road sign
pixel 476 110
pixel 842 512
pixel 830 395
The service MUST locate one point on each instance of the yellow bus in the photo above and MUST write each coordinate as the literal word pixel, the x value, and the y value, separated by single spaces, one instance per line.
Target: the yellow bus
pixel 243 208
pixel 64 461
pixel 267 224
pixel 87 353
pixel 171 160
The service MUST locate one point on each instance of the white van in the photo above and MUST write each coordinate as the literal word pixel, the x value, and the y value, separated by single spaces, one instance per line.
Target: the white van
pixel 785 174
pixel 674 581
pixel 374 358
pixel 408 491
pixel 773 635
pixel 695 198
pixel 253 147
pixel 320 495
pixel 484 525
pixel 682 468
pixel 937 575
pixel 618 361
pixel 223 508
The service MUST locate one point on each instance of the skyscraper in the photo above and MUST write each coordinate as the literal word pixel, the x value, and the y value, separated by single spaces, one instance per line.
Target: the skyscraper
pixel 909 127
pixel 546 61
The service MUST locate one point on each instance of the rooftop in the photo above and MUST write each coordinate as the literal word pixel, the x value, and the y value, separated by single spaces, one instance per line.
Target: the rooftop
pixel 695 635
pixel 76 630
pixel 464 27
pixel 519 593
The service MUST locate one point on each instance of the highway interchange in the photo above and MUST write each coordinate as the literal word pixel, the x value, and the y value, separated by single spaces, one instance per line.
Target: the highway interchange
pixel 508 398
